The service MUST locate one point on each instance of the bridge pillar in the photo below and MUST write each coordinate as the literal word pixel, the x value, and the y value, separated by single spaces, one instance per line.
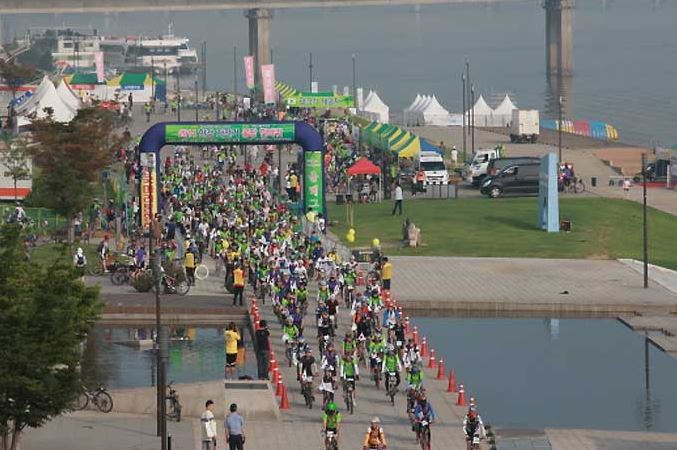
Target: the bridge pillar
pixel 259 39
pixel 559 16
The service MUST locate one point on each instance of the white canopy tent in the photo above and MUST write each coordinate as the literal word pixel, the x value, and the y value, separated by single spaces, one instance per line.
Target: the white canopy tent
pixel 503 112
pixel 68 96
pixel 45 97
pixel 407 111
pixel 415 115
pixel 373 105
pixel 483 113
pixel 435 114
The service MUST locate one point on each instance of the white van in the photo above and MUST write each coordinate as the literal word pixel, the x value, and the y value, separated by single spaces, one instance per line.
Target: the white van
pixel 480 164
pixel 433 165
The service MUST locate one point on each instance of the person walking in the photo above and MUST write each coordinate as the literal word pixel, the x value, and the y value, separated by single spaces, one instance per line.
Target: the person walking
pixel 234 425
pixel 386 273
pixel 189 263
pixel 398 199
pixel 232 337
pixel 238 284
pixel 262 349
pixel 208 425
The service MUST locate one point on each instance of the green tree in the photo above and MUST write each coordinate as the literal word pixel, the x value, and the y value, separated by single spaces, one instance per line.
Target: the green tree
pixel 45 312
pixel 14 157
pixel 71 156
pixel 16 75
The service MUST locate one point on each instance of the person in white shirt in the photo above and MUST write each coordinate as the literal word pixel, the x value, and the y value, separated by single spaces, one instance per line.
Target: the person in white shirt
pixel 398 199
pixel 208 426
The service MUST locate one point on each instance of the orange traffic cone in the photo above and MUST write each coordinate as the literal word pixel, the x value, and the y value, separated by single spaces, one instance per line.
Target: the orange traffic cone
pixel 253 310
pixel 432 363
pixel 461 396
pixel 280 385
pixel 441 370
pixel 407 329
pixel 415 335
pixel 284 401
pixel 424 347
pixel 452 381
pixel 254 301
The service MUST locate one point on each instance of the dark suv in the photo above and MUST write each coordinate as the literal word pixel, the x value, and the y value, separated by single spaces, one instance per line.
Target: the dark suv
pixel 515 179
pixel 496 165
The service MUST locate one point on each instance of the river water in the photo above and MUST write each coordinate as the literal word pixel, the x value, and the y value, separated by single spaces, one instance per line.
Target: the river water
pixel 625 53
pixel 534 373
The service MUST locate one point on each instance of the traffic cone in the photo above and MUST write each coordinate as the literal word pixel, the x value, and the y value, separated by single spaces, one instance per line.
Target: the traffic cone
pixel 407 329
pixel 253 310
pixel 461 396
pixel 280 385
pixel 257 325
pixel 432 363
pixel 415 335
pixel 424 347
pixel 284 400
pixel 272 363
pixel 254 301
pixel 441 371
pixel 452 381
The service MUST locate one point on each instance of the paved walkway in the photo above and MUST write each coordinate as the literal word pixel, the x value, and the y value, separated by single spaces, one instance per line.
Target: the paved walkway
pixel 505 285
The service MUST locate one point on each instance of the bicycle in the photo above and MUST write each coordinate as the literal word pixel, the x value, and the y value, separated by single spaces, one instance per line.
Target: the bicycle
pixel 391 386
pixel 330 440
pixel 201 272
pixel 99 396
pixel 348 390
pixel 174 410
pixel 307 390
pixel 172 285
pixel 424 435
pixel 574 186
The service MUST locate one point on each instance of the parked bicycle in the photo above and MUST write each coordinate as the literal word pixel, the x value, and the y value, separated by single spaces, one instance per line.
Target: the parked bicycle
pixel 99 397
pixel 174 406
pixel 172 285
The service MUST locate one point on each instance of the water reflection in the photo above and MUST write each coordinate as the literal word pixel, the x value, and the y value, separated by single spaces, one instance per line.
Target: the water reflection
pixel 125 356
pixel 648 406
pixel 555 87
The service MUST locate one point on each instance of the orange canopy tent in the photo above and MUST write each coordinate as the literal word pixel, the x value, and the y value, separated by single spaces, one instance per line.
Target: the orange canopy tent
pixel 365 167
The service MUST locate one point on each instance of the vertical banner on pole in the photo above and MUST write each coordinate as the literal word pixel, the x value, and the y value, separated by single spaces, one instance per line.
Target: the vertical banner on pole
pixel 548 195
pixel 249 71
pixel 98 63
pixel 313 182
pixel 149 202
pixel 268 80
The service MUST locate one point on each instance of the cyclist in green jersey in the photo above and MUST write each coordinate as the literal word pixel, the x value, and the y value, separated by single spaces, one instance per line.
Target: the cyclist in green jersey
pixel 391 363
pixel 331 420
pixel 348 344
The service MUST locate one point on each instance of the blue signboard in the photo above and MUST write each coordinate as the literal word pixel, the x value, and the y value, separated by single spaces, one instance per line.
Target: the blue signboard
pixel 548 196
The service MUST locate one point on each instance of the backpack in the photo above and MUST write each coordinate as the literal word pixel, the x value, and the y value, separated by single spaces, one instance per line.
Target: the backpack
pixel 81 260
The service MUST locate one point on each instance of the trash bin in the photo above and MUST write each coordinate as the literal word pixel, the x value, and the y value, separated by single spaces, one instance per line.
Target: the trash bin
pixel 593 181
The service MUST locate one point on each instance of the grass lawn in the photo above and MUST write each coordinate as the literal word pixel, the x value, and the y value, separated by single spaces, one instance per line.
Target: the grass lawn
pixel 602 228
pixel 48 254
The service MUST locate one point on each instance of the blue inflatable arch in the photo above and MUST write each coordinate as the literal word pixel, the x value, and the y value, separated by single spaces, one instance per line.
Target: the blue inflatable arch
pixel 245 133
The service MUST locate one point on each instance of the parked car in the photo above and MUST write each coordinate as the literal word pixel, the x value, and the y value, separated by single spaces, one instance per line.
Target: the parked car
pixel 496 165
pixel 515 179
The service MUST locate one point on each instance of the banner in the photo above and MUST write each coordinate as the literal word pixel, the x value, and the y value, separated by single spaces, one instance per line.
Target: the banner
pixel 149 201
pixel 227 133
pixel 313 182
pixel 98 63
pixel 249 71
pixel 320 100
pixel 268 81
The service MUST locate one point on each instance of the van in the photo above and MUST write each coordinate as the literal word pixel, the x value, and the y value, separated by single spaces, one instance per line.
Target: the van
pixel 514 179
pixel 432 164
pixel 480 162
pixel 496 165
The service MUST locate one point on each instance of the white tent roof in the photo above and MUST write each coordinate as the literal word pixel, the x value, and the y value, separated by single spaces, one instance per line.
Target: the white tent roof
pixel 416 101
pixel 482 108
pixel 506 107
pixel 46 96
pixel 368 99
pixel 434 107
pixel 435 114
pixel 68 96
pixel 375 105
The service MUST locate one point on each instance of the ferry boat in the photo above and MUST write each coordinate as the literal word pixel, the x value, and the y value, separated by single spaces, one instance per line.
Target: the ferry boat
pixel 164 52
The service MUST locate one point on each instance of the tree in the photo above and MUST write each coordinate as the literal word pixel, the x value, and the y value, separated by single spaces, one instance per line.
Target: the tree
pixel 16 75
pixel 45 312
pixel 71 157
pixel 14 157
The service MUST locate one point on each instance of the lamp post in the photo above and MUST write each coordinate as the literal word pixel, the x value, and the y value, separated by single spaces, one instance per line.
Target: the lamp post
pixel 178 94
pixel 234 69
pixel 152 79
pixel 354 57
pixel 310 69
pixel 559 128
pixel 467 79
pixel 463 126
pixel 472 118
pixel 197 100
pixel 216 105
pixel 645 230
pixel 166 86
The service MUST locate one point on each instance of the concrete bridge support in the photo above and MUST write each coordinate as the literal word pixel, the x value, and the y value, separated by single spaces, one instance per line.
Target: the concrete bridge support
pixel 259 39
pixel 559 36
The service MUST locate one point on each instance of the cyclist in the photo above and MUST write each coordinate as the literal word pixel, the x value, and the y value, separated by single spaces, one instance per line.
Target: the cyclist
pixel 331 420
pixel 376 350
pixel 290 332
pixel 423 411
pixel 330 359
pixel 307 368
pixel 348 344
pixel 391 363
pixel 349 370
pixel 328 385
pixel 472 424
pixel 323 292
pixel 375 439
pixel 414 378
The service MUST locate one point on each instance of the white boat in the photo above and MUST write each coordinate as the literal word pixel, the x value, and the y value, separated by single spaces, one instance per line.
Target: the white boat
pixel 164 52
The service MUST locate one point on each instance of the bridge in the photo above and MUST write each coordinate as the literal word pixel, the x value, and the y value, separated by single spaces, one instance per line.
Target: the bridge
pixel 558 18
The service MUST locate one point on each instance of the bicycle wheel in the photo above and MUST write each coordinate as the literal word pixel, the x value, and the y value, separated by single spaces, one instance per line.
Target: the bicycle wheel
pixel 82 401
pixel 182 287
pixel 118 277
pixel 103 401
pixel 201 272
pixel 580 187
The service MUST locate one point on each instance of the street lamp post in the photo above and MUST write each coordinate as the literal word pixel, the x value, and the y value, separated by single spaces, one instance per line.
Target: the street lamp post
pixel 472 118
pixel 559 128
pixel 197 100
pixel 234 69
pixel 467 79
pixel 310 69
pixel 178 94
pixel 645 230
pixel 464 117
pixel 166 86
pixel 355 79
